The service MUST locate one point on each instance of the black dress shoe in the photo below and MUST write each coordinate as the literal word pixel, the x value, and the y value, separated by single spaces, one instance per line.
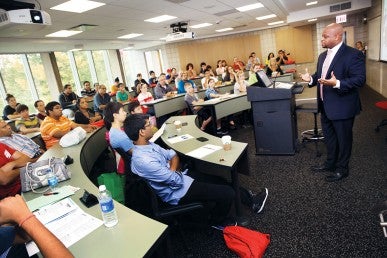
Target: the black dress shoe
pixel 336 176
pixel 322 168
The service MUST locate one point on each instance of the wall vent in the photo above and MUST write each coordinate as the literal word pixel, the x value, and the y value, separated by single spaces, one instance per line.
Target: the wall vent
pixel 340 7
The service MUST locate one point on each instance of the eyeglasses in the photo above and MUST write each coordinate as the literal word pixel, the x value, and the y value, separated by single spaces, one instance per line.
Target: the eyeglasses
pixel 147 125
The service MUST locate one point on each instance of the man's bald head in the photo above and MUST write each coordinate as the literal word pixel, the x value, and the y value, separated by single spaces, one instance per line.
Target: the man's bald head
pixel 332 35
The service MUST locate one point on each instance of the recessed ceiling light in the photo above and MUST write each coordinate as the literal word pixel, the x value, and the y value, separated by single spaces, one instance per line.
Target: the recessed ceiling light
pixel 225 29
pixel 275 23
pixel 312 20
pixel 75 49
pixel 161 18
pixel 163 38
pixel 64 33
pixel 266 17
pixel 311 3
pixel 201 25
pixel 249 7
pixel 130 36
pixel 77 6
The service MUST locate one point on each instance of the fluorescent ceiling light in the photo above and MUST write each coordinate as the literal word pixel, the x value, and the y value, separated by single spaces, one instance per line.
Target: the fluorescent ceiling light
pixel 127 48
pixel 131 35
pixel 249 7
pixel 311 3
pixel 75 49
pixel 312 20
pixel 161 18
pixel 164 38
pixel 275 23
pixel 225 29
pixel 201 25
pixel 77 6
pixel 64 33
pixel 266 17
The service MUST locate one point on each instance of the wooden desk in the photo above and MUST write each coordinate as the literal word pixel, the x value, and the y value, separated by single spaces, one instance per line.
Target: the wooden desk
pixel 135 235
pixel 221 162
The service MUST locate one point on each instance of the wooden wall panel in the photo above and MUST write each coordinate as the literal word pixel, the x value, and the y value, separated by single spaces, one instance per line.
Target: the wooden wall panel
pixel 210 51
pixel 296 41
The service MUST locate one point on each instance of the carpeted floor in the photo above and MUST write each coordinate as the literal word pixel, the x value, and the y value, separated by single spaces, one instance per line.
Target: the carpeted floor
pixel 306 216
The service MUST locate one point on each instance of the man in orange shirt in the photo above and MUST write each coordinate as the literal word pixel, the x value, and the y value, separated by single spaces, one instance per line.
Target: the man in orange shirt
pixel 55 125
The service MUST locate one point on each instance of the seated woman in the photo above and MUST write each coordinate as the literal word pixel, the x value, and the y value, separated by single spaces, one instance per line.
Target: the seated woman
pixel 114 119
pixel 270 56
pixel 211 93
pixel 145 97
pixel 273 69
pixel 122 95
pixel 10 109
pixel 84 115
pixel 240 85
pixel 190 71
pixel 191 99
pixel 229 76
pixel 26 124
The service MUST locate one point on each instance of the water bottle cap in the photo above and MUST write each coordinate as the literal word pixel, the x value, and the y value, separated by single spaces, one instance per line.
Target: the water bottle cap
pixel 102 188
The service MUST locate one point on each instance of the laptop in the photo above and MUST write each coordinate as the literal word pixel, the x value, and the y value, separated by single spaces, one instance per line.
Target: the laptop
pixel 265 82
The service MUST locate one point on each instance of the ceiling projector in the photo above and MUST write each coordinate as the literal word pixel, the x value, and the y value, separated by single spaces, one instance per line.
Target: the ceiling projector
pixel 24 16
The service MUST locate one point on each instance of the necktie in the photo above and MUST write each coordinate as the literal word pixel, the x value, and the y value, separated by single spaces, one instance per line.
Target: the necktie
pixel 326 64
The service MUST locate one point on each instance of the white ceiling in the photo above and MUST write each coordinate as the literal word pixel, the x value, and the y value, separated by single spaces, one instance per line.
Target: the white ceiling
pixel 120 17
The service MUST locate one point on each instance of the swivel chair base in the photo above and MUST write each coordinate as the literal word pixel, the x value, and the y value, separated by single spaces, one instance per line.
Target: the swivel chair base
pixel 313 135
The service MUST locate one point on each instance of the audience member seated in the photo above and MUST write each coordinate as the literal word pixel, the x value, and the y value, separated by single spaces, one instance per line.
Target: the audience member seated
pixel 240 85
pixel 122 95
pixel 207 76
pixel 10 162
pixel 212 93
pixel 250 63
pixel 360 47
pixel 145 97
pixel 256 60
pixel 269 56
pixel 281 59
pixel 203 68
pixel 191 71
pixel 253 74
pixel 229 76
pixel 41 108
pixel 171 75
pixel 55 125
pixel 134 107
pixel 152 79
pixel 9 111
pixel 19 226
pixel 101 99
pixel 209 68
pixel 220 69
pixel 87 91
pixel 114 87
pixel 273 70
pixel 84 115
pixel 183 81
pixel 179 77
pixel 139 81
pixel 114 119
pixel 161 168
pixel 191 99
pixel 27 123
pixel 163 89
pixel 18 141
pixel 68 101
pixel 238 65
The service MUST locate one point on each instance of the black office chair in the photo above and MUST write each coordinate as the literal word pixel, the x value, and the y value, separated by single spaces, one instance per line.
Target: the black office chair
pixel 313 135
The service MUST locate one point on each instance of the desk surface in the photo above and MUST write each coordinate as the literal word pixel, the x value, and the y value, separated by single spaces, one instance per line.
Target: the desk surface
pixel 220 157
pixel 134 234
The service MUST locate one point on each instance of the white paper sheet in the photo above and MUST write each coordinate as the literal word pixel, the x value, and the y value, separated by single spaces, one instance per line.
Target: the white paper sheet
pixel 204 151
pixel 180 138
pixel 157 134
pixel 67 221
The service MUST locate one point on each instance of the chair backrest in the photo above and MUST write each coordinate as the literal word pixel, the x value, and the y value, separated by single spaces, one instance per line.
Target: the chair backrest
pixel 189 110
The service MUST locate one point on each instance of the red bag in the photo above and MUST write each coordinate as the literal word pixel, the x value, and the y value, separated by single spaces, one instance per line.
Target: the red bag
pixel 246 242
pixel 99 123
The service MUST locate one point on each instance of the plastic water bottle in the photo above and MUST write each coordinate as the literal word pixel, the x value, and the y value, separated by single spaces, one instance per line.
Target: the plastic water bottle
pixel 51 179
pixel 109 214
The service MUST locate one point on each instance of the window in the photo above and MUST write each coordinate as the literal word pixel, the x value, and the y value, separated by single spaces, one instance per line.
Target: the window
pixel 100 69
pixel 63 63
pixel 40 79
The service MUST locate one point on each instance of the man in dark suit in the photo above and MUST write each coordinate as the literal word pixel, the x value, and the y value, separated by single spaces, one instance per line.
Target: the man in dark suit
pixel 340 73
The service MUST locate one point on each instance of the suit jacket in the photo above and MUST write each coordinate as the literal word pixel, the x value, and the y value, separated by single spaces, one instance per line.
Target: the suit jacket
pixel 348 66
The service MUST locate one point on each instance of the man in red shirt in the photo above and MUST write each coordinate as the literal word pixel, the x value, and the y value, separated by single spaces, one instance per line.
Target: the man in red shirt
pixel 10 162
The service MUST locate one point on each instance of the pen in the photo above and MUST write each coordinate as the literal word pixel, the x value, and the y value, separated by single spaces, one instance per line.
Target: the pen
pixel 52 193
pixel 172 136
